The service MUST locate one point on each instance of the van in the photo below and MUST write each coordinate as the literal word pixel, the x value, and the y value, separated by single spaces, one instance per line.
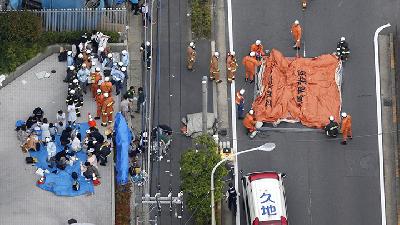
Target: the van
pixel 264 198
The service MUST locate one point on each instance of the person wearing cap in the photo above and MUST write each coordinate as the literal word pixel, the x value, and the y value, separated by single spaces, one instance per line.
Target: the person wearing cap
pixel 231 66
pixel 95 79
pixel 146 17
pixel 93 67
pixel 74 85
pixel 72 96
pixel 296 33
pixel 70 59
pixel 346 128
pixel 118 78
pixel 239 100
pixel 191 55
pixel 71 73
pixel 51 148
pixel 106 86
pixel 214 69
pixel 125 58
pixel 258 48
pixel 72 114
pixel 99 103
pixel 79 60
pixel 145 48
pixel 249 122
pixel 342 49
pixel 87 58
pixel 250 64
pixel 83 75
pixel 332 128
pixel 107 110
pixel 107 64
pixel 101 54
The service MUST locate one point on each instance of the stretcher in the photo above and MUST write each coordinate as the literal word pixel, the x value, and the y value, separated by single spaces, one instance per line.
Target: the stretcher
pixel 193 125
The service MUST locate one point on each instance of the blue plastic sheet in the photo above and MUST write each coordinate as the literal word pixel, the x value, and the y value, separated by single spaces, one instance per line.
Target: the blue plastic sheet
pixel 123 139
pixel 15 4
pixel 61 182
pixel 62 4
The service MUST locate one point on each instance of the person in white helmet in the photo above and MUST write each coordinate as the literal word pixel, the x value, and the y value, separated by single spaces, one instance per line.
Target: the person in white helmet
pixel 107 110
pixel 250 64
pixel 106 86
pixel 107 64
pixel 125 58
pixel 95 78
pixel 258 49
pixel 342 49
pixel 239 100
pixel 249 122
pixel 99 103
pixel 118 78
pixel 145 48
pixel 332 128
pixel 346 128
pixel 83 75
pixel 214 69
pixel 70 59
pixel 71 73
pixel 191 55
pixel 71 113
pixel 79 60
pixel 231 66
pixel 101 54
pixel 146 16
pixel 296 33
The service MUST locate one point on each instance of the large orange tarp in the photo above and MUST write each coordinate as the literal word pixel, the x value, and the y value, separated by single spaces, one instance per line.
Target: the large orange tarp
pixel 300 89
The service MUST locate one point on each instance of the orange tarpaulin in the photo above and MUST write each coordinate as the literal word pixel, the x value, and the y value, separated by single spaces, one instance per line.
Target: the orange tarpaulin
pixel 299 89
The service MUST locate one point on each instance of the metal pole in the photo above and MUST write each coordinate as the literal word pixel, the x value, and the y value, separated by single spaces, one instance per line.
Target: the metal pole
pixel 205 93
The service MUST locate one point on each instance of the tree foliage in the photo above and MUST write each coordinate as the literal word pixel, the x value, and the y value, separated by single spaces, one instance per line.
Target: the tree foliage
pixel 201 18
pixel 196 166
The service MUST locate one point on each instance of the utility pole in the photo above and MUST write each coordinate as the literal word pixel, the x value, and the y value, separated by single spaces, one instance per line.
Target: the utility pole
pixel 204 114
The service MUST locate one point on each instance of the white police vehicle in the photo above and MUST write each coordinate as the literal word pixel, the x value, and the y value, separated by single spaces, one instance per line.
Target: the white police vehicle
pixel 264 198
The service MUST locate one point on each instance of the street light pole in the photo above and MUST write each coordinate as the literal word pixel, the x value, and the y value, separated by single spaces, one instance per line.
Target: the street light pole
pixel 267 147
pixel 204 94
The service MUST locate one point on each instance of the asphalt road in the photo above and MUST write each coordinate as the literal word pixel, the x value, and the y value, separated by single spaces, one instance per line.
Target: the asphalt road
pixel 327 183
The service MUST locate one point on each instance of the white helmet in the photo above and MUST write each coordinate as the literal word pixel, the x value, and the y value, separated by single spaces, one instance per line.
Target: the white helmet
pixel 71 67
pixel 191 44
pixel 258 42
pixel 241 91
pixel 147 43
pixel 331 118
pixel 98 91
pixel 124 52
pixel 88 51
pixel 123 69
pixel 251 112
pixel 216 54
pixel 72 91
pixel 84 65
pixel 109 55
pixel 252 54
pixel 105 95
pixel 80 55
pixel 69 53
pixel 101 49
pixel 296 22
pixel 120 63
pixel 342 39
pixel 93 63
pixel 47 139
pixel 97 69
pixel 75 80
pixel 107 78
pixel 344 114
pixel 233 53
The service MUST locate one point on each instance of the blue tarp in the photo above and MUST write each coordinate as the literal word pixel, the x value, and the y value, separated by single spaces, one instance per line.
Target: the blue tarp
pixel 61 183
pixel 62 4
pixel 15 4
pixel 123 139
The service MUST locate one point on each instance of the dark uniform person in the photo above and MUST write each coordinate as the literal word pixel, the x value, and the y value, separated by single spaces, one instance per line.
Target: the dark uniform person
pixel 232 195
pixel 332 128
pixel 342 49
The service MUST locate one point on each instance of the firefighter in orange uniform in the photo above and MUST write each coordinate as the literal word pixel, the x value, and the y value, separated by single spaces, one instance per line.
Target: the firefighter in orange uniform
pixel 231 66
pixel 214 70
pixel 258 49
pixel 296 33
pixel 250 122
pixel 107 110
pixel 95 78
pixel 87 58
pixel 239 100
pixel 191 56
pixel 346 128
pixel 99 104
pixel 106 86
pixel 250 63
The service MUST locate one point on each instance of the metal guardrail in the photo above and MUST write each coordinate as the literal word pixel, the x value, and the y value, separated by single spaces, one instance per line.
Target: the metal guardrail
pixel 105 19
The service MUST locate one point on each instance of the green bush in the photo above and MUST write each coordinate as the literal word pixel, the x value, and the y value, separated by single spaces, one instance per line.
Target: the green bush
pixel 201 18
pixel 196 166
pixel 20 27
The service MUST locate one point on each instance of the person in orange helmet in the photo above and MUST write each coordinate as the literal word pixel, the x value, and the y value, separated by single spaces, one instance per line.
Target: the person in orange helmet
pixel 95 78
pixel 231 66
pixel 214 69
pixel 106 86
pixel 99 103
pixel 296 33
pixel 346 128
pixel 258 48
pixel 250 64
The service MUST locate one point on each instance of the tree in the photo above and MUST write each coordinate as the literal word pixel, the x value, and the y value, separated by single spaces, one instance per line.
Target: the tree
pixel 196 166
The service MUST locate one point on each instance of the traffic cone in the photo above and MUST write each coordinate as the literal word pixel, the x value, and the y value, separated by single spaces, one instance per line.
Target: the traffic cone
pixel 96 181
pixel 91 122
pixel 41 180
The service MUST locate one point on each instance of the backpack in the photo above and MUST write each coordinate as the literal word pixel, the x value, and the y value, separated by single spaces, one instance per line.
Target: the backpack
pixel 75 185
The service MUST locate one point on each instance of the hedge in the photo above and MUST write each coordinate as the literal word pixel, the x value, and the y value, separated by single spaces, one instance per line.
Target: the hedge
pixel 22 38
pixel 201 18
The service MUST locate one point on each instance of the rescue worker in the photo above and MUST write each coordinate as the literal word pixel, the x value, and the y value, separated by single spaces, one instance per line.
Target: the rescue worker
pixel 249 122
pixel 107 64
pixel 346 128
pixel 71 73
pixel 99 103
pixel 231 66
pixel 107 110
pixel 70 59
pixel 239 99
pixel 101 54
pixel 250 63
pixel 231 196
pixel 92 69
pixel 83 75
pixel 332 128
pixel 87 58
pixel 118 77
pixel 106 86
pixel 258 49
pixel 73 97
pixel 214 70
pixel 191 55
pixel 296 33
pixel 342 49
pixel 79 61
pixel 146 53
pixel 74 85
pixel 95 79
pixel 125 58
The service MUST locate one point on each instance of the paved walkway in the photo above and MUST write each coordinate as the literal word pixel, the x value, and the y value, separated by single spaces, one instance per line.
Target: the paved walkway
pixel 22 202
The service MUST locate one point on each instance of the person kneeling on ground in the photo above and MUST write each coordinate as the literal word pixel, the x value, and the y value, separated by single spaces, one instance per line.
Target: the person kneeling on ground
pixel 103 152
pixel 31 144
pixel 89 170
pixel 332 128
